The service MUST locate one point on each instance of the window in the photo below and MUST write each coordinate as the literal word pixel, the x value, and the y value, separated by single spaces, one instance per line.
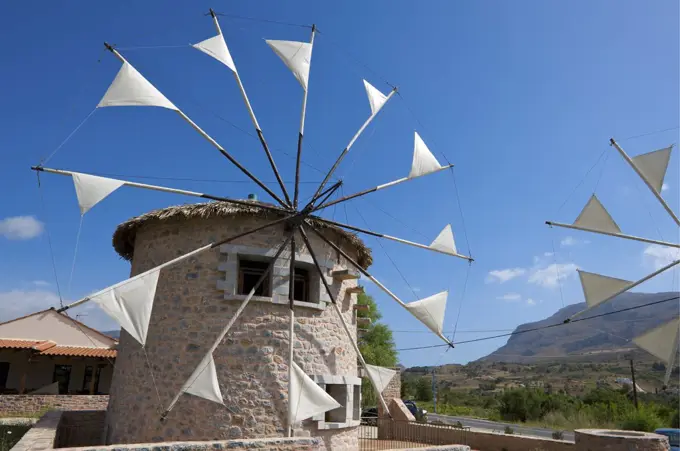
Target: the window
pixel 87 379
pixel 4 371
pixel 339 393
pixel 97 377
pixel 249 272
pixel 62 374
pixel 301 285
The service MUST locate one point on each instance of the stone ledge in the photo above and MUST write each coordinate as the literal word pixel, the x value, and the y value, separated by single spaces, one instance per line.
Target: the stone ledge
pixel 273 300
pixel 336 379
pixel 323 425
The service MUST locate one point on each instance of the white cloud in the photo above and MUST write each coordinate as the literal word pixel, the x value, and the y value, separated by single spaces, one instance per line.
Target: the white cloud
pixel 549 276
pixel 41 283
pixel 510 297
pixel 547 254
pixel 416 289
pixel 16 303
pixel 503 275
pixel 531 302
pixel 660 256
pixel 664 187
pixel 571 241
pixel 21 227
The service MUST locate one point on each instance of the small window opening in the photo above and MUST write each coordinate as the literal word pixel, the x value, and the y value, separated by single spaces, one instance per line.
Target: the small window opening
pixel 249 272
pixel 339 393
pixel 301 285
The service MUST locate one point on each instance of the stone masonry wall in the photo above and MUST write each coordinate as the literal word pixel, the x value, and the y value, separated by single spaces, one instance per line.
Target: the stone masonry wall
pixel 190 309
pixel 29 405
pixel 47 435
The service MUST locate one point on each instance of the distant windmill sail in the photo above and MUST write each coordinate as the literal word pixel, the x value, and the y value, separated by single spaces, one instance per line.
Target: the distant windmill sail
pixel 423 160
pixel 382 376
pixel 653 166
pixel 598 288
pixel 203 381
pixel 306 398
pixel 130 88
pixel 376 98
pixel 297 56
pixel 91 189
pixel 660 341
pixel 217 48
pixel 130 303
pixel 594 216
pixel 430 311
pixel 444 241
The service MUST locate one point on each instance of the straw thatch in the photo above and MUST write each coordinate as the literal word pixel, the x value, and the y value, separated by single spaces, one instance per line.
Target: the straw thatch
pixel 124 236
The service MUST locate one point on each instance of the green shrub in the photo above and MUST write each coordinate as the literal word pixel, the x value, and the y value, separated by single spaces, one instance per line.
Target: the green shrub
pixel 509 430
pixel 643 420
pixel 558 435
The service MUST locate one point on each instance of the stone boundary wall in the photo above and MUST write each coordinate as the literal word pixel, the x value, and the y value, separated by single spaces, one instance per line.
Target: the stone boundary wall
pixel 30 405
pixel 48 432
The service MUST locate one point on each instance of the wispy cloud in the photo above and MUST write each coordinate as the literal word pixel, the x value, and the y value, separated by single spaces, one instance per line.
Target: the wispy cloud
pixel 510 297
pixel 659 256
pixel 531 302
pixel 551 275
pixel 21 227
pixel 504 275
pixel 41 283
pixel 664 187
pixel 571 241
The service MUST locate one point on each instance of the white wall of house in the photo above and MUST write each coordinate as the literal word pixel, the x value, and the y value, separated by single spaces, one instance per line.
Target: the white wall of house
pixel 40 371
pixel 50 325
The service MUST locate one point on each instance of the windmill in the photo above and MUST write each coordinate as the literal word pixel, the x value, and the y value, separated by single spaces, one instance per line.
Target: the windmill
pixel 651 167
pixel 130 302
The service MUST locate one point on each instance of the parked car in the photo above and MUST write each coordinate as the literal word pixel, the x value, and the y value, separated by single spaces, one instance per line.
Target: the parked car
pixel 369 416
pixel 673 437
pixel 415 410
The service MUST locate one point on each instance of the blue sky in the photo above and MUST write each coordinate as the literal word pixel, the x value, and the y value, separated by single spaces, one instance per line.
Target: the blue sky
pixel 521 97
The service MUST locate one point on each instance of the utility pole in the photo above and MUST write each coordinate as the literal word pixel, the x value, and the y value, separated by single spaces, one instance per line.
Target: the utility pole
pixel 632 373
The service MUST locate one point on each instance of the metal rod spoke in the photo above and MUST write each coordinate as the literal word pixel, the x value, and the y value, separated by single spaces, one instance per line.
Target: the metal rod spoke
pixel 617 235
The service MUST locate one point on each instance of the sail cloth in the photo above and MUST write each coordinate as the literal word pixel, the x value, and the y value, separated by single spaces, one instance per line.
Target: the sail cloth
pixel 598 288
pixel 203 381
pixel 444 241
pixel 594 216
pixel 91 189
pixel 297 56
pixel 130 303
pixel 130 88
pixel 380 375
pixel 661 341
pixel 306 398
pixel 430 311
pixel 376 98
pixel 423 160
pixel 217 48
pixel 653 166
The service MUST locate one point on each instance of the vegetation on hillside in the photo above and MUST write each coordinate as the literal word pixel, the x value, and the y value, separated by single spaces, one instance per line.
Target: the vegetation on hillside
pixel 376 345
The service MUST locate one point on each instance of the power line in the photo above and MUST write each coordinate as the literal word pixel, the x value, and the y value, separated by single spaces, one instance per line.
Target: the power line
pixel 549 326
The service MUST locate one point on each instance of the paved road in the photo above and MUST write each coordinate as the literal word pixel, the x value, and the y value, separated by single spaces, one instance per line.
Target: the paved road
pixel 476 423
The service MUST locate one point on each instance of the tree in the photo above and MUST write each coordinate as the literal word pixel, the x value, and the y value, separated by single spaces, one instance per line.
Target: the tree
pixel 376 345
pixel 423 389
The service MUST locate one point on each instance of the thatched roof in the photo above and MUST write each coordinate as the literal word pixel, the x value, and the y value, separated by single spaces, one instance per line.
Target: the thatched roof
pixel 124 236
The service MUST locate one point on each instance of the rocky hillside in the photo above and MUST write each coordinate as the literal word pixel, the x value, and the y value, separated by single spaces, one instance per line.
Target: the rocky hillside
pixel 597 336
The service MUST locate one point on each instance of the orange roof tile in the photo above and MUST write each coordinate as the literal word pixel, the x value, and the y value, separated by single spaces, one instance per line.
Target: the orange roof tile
pixel 43 345
pixel 7 343
pixel 78 351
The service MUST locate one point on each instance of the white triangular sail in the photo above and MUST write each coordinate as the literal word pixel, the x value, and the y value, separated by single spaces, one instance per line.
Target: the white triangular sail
pixel 203 381
pixel 130 88
pixel 444 241
pixel 306 397
pixel 430 311
pixel 594 216
pixel 661 341
pixel 91 189
pixel 217 48
pixel 297 56
pixel 130 303
pixel 653 166
pixel 423 160
pixel 376 98
pixel 598 288
pixel 380 375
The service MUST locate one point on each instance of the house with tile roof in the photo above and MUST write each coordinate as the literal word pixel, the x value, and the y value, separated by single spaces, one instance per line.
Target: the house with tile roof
pixel 51 353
